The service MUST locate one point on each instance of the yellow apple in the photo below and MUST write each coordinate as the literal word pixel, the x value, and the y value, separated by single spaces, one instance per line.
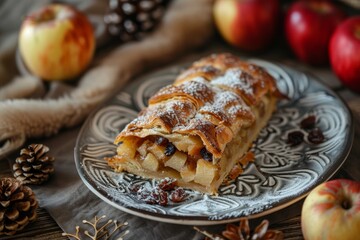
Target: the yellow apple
pixel 56 42
pixel 247 24
pixel 332 211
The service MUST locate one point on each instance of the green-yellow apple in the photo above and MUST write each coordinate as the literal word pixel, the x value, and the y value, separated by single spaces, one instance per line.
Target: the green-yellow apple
pixel 332 211
pixel 56 42
pixel 247 24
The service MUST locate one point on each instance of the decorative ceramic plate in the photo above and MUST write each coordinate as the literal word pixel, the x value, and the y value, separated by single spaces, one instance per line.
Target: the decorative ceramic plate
pixel 280 176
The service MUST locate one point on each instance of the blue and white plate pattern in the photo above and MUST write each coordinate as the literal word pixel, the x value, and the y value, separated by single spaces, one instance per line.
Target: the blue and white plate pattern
pixel 280 176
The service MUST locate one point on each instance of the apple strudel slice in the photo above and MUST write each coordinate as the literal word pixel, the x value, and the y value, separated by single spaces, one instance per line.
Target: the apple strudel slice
pixel 198 128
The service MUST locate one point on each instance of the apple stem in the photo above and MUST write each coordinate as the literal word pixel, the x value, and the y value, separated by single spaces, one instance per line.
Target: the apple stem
pixel 346 204
pixel 357 33
pixel 45 16
pixel 319 7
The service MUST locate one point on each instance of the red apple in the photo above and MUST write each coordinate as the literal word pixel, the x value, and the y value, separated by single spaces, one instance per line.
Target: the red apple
pixel 247 24
pixel 56 42
pixel 308 29
pixel 332 211
pixel 344 51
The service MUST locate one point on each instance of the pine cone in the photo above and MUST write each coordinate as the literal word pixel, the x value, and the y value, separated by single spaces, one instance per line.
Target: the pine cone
pixel 243 231
pixel 33 166
pixel 17 206
pixel 132 19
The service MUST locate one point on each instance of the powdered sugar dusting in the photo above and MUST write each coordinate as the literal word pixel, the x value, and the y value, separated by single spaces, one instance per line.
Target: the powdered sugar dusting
pixel 227 106
pixel 235 78
pixel 198 89
pixel 173 114
pixel 224 103
pixel 181 111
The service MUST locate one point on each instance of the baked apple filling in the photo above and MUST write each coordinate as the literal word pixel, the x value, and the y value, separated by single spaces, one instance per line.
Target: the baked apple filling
pixel 191 162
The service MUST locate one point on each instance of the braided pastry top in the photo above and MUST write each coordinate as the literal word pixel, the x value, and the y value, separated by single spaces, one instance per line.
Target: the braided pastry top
pixel 213 99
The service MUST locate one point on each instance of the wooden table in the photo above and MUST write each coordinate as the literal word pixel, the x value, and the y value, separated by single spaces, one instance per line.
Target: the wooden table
pixel 46 228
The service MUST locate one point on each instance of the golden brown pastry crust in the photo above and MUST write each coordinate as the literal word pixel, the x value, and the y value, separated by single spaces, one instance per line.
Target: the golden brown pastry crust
pixel 210 104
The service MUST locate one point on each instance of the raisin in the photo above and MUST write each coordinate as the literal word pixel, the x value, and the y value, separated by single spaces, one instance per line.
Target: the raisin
pixel 160 196
pixel 316 136
pixel 170 149
pixel 295 138
pixel 161 141
pixel 308 123
pixel 167 184
pixel 206 154
pixel 178 195
pixel 146 196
